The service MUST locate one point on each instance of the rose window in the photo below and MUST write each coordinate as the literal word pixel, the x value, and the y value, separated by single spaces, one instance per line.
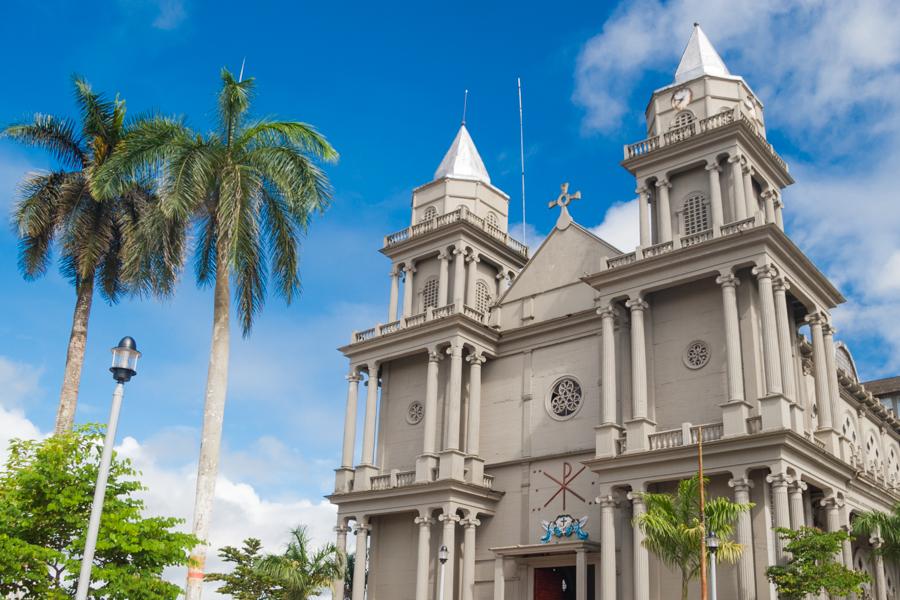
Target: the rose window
pixel 565 398
pixel 415 413
pixel 696 355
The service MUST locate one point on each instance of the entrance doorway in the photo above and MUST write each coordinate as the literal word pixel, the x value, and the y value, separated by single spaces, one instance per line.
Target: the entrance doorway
pixel 558 583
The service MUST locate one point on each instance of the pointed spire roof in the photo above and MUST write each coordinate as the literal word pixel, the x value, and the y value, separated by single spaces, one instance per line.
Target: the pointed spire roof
pixel 699 58
pixel 462 159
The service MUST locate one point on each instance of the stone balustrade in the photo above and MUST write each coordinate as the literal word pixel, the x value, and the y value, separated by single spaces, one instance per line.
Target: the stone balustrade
pixel 738 226
pixel 461 214
pixel 400 479
pixel 621 260
pixel 658 249
pixel 412 321
pixel 696 238
pixel 685 435
pixel 696 128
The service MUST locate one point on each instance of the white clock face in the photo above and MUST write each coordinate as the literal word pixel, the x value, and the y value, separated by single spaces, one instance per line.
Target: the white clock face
pixel 681 98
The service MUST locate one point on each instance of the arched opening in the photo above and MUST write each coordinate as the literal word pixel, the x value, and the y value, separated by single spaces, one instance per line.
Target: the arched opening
pixel 682 119
pixel 429 214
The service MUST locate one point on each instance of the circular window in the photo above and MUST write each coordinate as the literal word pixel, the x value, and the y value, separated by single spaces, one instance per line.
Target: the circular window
pixel 565 398
pixel 696 355
pixel 415 413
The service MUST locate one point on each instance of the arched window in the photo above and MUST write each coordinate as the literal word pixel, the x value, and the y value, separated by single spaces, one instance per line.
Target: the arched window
pixel 482 296
pixel 491 219
pixel 695 214
pixel 429 214
pixel 430 294
pixel 682 119
pixel 873 453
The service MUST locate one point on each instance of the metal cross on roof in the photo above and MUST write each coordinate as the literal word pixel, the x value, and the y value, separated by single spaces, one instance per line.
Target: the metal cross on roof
pixel 562 201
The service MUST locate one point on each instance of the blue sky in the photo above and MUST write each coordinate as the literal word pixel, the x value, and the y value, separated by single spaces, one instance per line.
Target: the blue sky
pixel 385 82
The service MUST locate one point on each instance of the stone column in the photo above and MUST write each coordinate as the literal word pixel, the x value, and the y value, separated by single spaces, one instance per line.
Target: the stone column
pixel 353 380
pixel 780 287
pixel 607 547
pixel 473 431
pixel 443 277
pixel 715 197
pixel 823 392
pixel 878 564
pixel 644 215
pixel 641 559
pixel 773 407
pixel 468 569
pixel 664 213
pixel 449 520
pixel 736 410
pixel 408 289
pixel 779 217
pixel 471 278
pixel 337 586
pixel 395 292
pixel 779 483
pixel 749 196
pixel 608 431
pixel 499 579
pixel 368 454
pixel 459 277
pixel 768 198
pixel 428 460
pixel 639 427
pixel 451 463
pixel 743 534
pixel 737 188
pixel 832 507
pixel 359 572
pixel 423 557
pixel 798 518
pixel 834 389
pixel 581 569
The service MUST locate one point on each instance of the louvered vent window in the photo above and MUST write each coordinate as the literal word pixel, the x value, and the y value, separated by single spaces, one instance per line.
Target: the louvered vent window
pixel 429 214
pixel 430 294
pixel 682 119
pixel 482 296
pixel 696 214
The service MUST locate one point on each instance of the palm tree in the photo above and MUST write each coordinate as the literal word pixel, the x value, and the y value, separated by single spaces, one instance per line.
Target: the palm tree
pixel 885 525
pixel 249 190
pixel 673 529
pixel 96 236
pixel 301 572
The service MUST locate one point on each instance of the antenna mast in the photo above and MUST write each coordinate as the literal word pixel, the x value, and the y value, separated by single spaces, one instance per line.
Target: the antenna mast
pixel 465 103
pixel 522 155
pixel 241 76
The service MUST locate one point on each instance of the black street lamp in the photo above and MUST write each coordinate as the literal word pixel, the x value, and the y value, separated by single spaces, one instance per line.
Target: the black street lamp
pixel 712 546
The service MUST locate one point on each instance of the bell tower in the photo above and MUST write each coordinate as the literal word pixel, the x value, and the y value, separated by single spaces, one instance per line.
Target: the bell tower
pixel 706 166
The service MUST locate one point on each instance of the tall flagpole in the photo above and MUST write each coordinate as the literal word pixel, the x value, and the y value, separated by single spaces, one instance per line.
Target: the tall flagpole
pixel 702 515
pixel 522 155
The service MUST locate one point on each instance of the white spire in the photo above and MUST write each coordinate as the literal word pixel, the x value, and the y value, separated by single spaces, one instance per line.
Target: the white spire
pixel 462 160
pixel 699 58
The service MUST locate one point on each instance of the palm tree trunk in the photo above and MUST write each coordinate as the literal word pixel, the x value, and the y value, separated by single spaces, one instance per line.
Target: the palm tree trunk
pixel 685 582
pixel 68 396
pixel 211 437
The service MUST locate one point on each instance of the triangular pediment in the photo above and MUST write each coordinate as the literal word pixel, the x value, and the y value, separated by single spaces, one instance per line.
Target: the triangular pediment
pixel 565 256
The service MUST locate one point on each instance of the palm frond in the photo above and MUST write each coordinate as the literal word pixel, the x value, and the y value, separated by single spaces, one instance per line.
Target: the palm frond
pixel 282 243
pixel 302 138
pixel 57 136
pixel 301 182
pixel 234 101
pixel 97 118
pixel 205 252
pixel 36 218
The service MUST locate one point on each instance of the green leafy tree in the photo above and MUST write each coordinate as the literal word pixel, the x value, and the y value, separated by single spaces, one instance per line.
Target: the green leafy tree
pixel 96 240
pixel 812 567
pixel 46 490
pixel 302 572
pixel 673 530
pixel 885 525
pixel 244 582
pixel 248 190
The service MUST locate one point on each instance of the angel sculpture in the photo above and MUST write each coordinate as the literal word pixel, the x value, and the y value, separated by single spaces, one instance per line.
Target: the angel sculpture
pixel 564 526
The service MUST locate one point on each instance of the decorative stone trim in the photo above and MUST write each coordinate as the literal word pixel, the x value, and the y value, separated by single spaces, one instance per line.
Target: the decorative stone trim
pixel 696 355
pixel 415 412
pixel 565 398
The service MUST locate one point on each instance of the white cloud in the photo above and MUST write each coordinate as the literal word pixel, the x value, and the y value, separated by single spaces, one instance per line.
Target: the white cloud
pixel 171 14
pixel 829 72
pixel 533 238
pixel 620 226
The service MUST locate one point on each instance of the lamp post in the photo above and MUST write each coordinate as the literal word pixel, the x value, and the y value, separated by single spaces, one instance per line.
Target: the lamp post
pixel 442 556
pixel 124 367
pixel 712 545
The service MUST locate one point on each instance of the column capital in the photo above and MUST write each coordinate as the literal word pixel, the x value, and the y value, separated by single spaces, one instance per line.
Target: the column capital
pixel 454 350
pixel 829 329
pixel 798 486
pixel 636 497
pixel 607 501
pixel 423 521
pixel 831 502
pixel 816 318
pixel 372 366
pixel 470 522
pixel 443 255
pixel 780 284
pixel 409 268
pixel 474 257
pixel 764 271
pixel 354 377
pixel 779 203
pixel 395 271
pixel 642 190
pixel 361 527
pixel 735 158
pixel 779 480
pixel 609 311
pixel 637 304
pixel 342 529
pixel 876 540
pixel 740 484
pixel 712 165
pixel 746 169
pixel 457 251
pixel 767 193
pixel 660 183
pixel 435 355
pixel 451 518
pixel 476 358
pixel 729 280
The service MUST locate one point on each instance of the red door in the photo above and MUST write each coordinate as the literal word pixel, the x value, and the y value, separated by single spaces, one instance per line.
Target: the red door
pixel 557 583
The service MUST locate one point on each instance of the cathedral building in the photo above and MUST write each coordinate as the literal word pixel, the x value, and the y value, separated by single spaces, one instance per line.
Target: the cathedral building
pixel 517 404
